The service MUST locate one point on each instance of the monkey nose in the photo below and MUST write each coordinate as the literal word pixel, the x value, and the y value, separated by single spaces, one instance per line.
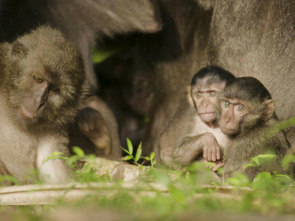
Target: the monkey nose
pixel 226 120
pixel 205 104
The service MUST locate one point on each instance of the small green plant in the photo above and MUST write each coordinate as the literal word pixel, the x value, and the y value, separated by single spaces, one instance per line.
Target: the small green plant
pixel 272 181
pixel 10 179
pixel 137 156
pixel 73 160
pixel 84 172
pixel 287 160
pixel 151 159
pixel 260 160
pixel 238 180
pixel 279 127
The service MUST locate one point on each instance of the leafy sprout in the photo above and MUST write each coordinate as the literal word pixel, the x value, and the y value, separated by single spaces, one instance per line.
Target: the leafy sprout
pixel 137 155
pixel 260 159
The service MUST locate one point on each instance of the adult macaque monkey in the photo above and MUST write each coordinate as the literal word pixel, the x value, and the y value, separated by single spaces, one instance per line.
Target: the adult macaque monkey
pixel 194 128
pixel 247 114
pixel 41 84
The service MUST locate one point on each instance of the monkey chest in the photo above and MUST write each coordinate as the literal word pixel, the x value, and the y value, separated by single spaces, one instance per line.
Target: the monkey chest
pixel 199 128
pixel 17 150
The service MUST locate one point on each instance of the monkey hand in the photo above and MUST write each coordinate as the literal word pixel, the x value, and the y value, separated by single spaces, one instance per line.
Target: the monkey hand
pixel 93 126
pixel 211 149
pixel 216 165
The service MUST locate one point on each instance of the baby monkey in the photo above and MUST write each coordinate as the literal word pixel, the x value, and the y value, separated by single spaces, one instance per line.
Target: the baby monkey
pixel 194 129
pixel 247 115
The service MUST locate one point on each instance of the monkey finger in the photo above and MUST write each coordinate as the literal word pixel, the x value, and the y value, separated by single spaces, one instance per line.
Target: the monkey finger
pixel 213 156
pixel 209 154
pixel 205 152
pixel 219 165
pixel 218 154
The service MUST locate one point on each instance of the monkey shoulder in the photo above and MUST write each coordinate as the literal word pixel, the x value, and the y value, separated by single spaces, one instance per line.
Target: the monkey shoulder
pixel 277 141
pixel 183 118
pixel 255 142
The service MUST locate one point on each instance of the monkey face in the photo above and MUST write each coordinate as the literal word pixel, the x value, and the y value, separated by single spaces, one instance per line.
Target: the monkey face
pixel 44 82
pixel 40 99
pixel 233 112
pixel 206 98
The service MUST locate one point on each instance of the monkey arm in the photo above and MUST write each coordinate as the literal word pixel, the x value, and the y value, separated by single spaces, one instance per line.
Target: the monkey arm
pixel 192 147
pixel 189 150
pixel 174 134
pixel 52 170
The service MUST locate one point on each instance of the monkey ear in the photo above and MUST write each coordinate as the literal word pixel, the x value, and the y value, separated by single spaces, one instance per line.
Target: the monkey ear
pixel 18 49
pixel 189 96
pixel 269 109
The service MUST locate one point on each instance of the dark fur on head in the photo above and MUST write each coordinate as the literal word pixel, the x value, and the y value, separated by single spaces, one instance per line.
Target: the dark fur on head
pixel 247 89
pixel 214 73
pixel 254 93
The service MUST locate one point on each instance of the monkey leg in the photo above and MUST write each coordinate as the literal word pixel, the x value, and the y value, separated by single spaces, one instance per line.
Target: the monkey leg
pixel 92 125
pixel 98 123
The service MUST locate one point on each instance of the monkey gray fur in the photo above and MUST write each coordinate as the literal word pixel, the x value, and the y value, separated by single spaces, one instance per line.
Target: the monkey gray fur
pixel 42 85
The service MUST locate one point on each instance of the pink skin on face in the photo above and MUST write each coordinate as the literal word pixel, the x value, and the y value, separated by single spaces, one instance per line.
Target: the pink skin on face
pixel 232 112
pixel 206 99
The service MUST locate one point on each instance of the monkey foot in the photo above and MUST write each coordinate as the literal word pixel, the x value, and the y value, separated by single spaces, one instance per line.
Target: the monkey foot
pixel 93 126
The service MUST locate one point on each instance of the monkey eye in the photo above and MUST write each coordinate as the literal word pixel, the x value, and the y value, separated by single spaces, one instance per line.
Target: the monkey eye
pixel 212 93
pixel 199 94
pixel 39 80
pixel 241 108
pixel 226 104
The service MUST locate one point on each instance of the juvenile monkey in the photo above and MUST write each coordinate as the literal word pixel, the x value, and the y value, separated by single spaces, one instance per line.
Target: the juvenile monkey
pixel 247 114
pixel 194 128
pixel 41 85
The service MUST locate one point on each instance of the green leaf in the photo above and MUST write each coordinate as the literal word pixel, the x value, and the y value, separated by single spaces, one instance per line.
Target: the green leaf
pixel 238 180
pixel 130 147
pixel 146 158
pixel 262 177
pixel 78 151
pixel 256 160
pixel 249 165
pixel 72 160
pixel 267 156
pixel 9 178
pixel 280 126
pixel 125 150
pixel 129 157
pixel 53 156
pixel 152 155
pixel 287 160
pixel 282 178
pixel 138 152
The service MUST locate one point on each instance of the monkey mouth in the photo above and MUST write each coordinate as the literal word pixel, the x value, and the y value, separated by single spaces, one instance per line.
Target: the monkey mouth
pixel 228 131
pixel 207 115
pixel 26 114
